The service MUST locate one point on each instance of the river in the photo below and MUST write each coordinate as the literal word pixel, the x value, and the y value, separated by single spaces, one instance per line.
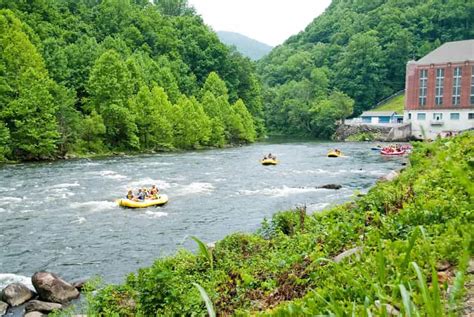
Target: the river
pixel 61 216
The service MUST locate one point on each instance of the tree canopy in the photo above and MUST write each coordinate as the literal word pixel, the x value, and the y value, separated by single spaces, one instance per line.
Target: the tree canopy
pixel 99 76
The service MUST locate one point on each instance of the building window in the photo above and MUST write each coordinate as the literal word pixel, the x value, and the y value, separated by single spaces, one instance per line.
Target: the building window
pixel 423 87
pixel 421 116
pixel 454 116
pixel 470 116
pixel 409 116
pixel 456 86
pixel 472 85
pixel 439 86
pixel 437 116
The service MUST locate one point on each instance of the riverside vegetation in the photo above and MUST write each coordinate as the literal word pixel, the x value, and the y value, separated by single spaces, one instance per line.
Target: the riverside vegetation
pixel 405 247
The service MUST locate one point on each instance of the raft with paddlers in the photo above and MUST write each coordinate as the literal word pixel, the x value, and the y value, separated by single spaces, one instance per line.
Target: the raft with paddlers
pixel 334 153
pixel 390 151
pixel 269 162
pixel 159 201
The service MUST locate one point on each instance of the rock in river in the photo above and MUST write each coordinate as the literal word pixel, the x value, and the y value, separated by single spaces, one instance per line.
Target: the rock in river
pixel 44 307
pixel 16 294
pixel 3 308
pixel 52 288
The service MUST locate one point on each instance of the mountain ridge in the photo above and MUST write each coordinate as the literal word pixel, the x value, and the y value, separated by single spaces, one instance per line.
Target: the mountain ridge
pixel 249 47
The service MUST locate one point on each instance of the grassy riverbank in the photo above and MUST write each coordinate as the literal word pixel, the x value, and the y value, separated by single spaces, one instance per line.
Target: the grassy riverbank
pixel 411 239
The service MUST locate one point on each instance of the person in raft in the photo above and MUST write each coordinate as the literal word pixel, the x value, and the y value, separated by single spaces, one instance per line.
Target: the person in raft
pixel 141 194
pixel 154 192
pixel 269 157
pixel 130 195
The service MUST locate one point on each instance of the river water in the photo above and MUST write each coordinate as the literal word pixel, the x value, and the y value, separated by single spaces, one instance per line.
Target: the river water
pixel 61 216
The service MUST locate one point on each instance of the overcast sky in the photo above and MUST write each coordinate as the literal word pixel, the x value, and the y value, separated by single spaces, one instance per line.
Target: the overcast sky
pixel 268 21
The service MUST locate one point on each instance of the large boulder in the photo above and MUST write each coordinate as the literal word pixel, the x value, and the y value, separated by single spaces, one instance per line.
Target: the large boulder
pixel 3 308
pixel 44 307
pixel 16 294
pixel 52 288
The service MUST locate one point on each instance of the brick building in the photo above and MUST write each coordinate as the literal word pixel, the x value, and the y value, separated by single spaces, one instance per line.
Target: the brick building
pixel 439 87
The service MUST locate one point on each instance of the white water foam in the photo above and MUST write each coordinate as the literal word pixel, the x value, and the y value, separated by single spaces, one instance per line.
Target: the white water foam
pixel 6 279
pixel 155 214
pixel 315 171
pixel 147 181
pixel 196 188
pixel 66 185
pixel 12 199
pixel 280 192
pixel 159 164
pixel 5 201
pixel 95 205
pixel 110 174
pixel 79 220
pixel 2 210
pixel 316 207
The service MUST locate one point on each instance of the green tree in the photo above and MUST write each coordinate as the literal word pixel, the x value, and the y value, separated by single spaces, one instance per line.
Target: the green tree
pixel 247 134
pixel 153 128
pixel 31 120
pixel 324 117
pixel 192 125
pixel 110 87
pixel 92 134
pixel 173 7
pixel 109 82
pixel 28 108
pixel 215 85
pixel 360 70
pixel 212 107
pixel 4 141
pixel 342 103
pixel 121 130
pixel 68 118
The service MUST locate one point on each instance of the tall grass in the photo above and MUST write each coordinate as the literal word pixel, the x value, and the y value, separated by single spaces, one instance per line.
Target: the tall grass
pixel 205 251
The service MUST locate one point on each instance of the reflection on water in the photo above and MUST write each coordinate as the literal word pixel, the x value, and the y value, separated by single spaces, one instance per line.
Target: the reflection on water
pixel 62 216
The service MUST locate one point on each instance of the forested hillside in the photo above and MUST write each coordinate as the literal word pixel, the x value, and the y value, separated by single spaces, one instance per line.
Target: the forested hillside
pixel 245 45
pixel 83 76
pixel 359 47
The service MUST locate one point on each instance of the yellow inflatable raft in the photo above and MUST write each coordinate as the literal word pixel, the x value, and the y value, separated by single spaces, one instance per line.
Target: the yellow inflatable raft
pixel 334 154
pixel 269 162
pixel 162 199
